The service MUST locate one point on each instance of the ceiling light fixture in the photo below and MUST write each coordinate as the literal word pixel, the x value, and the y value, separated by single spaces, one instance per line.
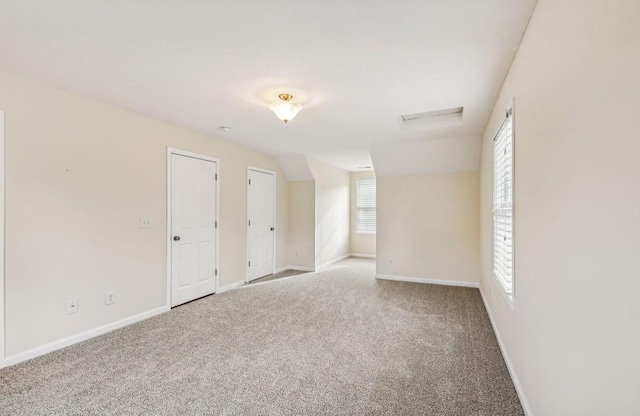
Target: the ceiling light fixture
pixel 285 109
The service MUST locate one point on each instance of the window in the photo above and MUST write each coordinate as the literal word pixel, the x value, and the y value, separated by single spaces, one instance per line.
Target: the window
pixel 503 206
pixel 366 205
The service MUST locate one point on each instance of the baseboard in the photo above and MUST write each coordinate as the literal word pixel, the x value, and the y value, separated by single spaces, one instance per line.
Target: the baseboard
pixel 83 336
pixel 291 267
pixel 229 287
pixel 363 256
pixel 333 261
pixel 512 372
pixel 301 268
pixel 311 269
pixel 429 281
pixel 281 269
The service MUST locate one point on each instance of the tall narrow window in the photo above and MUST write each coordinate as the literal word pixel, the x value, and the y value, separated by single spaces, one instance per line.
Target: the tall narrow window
pixel 503 206
pixel 366 205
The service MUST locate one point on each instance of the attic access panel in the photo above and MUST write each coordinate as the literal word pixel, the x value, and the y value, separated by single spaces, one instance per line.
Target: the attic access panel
pixel 433 119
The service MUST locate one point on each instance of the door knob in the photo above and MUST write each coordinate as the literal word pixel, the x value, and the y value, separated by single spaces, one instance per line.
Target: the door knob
pixel 176 238
pixel 272 228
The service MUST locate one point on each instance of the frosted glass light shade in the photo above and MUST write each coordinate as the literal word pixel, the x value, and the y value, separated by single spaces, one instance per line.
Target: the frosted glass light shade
pixel 285 110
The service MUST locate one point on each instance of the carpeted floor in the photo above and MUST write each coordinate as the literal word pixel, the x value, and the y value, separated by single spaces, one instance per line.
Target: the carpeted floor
pixel 276 276
pixel 335 342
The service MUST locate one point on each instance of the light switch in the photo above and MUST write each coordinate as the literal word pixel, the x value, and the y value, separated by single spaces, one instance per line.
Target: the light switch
pixel 145 222
pixel 72 306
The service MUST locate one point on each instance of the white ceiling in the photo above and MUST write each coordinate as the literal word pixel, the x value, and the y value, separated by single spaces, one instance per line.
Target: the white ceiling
pixel 356 66
pixel 455 154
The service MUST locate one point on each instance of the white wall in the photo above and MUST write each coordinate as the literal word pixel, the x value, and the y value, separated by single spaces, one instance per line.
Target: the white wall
pixel 360 243
pixel 574 337
pixel 301 224
pixel 428 226
pixel 79 174
pixel 332 211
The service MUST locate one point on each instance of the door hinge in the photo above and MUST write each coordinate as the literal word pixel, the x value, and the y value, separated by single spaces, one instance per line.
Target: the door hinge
pixel 216 176
pixel 216 224
pixel 216 272
pixel 249 222
pixel 249 264
pixel 249 181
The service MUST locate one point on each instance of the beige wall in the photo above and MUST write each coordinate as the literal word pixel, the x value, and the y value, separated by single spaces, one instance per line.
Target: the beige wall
pixel 428 226
pixel 332 211
pixel 79 174
pixel 574 337
pixel 360 243
pixel 301 224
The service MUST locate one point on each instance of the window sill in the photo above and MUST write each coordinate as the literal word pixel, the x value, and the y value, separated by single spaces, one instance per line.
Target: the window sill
pixel 365 233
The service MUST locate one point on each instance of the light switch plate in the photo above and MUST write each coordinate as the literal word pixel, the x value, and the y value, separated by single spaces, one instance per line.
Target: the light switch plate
pixel 72 306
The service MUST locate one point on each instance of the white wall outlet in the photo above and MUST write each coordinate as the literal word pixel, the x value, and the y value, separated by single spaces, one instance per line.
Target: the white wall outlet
pixel 297 254
pixel 72 306
pixel 110 297
pixel 390 262
pixel 145 222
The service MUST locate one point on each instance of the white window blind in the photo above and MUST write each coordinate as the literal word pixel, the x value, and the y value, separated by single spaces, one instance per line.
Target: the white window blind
pixel 503 205
pixel 366 205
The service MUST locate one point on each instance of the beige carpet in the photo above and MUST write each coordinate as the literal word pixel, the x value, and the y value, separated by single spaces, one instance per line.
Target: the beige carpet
pixel 275 276
pixel 336 342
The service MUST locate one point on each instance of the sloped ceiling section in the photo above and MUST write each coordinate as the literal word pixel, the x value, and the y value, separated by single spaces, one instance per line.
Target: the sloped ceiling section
pixel 295 167
pixel 429 156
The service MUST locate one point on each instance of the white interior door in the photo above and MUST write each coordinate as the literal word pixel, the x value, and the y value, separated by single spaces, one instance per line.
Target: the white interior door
pixel 261 224
pixel 193 228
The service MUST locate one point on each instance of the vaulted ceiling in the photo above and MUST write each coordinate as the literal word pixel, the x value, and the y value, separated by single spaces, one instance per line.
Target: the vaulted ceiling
pixel 356 66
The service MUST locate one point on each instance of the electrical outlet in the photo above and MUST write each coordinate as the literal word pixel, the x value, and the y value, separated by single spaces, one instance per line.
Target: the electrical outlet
pixel 110 297
pixel 72 306
pixel 390 262
pixel 297 254
pixel 145 222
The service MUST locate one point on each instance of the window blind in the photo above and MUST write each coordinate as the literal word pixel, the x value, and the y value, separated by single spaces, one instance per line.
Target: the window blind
pixel 503 205
pixel 366 205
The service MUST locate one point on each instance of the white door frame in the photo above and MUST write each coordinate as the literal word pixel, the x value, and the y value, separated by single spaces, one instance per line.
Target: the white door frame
pixel 3 334
pixel 275 194
pixel 173 151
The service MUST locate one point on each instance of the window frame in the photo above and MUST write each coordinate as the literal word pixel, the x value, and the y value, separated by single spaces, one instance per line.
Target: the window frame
pixel 509 297
pixel 356 206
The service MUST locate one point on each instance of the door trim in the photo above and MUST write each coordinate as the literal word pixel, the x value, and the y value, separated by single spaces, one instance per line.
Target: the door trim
pixel 173 151
pixel 3 333
pixel 275 194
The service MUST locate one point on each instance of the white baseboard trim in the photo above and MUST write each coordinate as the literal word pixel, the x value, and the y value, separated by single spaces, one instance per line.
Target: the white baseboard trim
pixel 429 281
pixel 281 269
pixel 83 336
pixel 311 269
pixel 229 287
pixel 363 256
pixel 291 267
pixel 512 372
pixel 333 261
